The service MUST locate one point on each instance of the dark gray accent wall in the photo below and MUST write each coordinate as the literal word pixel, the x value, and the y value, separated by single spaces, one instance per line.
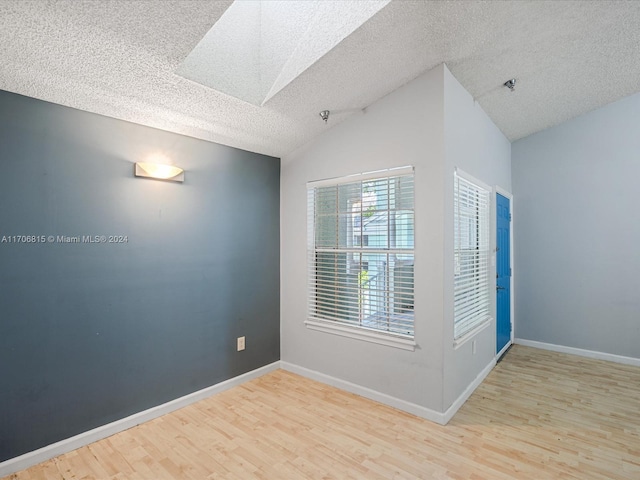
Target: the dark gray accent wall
pixel 577 232
pixel 93 332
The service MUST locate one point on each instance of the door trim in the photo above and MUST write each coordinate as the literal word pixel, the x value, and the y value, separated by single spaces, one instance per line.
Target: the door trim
pixel 509 195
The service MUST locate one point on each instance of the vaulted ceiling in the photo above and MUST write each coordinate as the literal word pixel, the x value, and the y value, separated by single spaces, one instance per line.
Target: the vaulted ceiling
pixel 126 59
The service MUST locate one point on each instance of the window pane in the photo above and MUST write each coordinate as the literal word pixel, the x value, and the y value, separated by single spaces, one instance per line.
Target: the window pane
pixel 357 275
pixel 348 195
pixel 326 231
pixel 404 229
pixel 336 286
pixel 376 227
pixel 471 255
pixel 326 200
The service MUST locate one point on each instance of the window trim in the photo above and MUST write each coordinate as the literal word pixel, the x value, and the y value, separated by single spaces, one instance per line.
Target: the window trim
pixel 380 337
pixel 361 177
pixel 362 333
pixel 465 337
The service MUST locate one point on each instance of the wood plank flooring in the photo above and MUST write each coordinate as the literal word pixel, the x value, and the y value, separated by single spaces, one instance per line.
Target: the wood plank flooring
pixel 539 415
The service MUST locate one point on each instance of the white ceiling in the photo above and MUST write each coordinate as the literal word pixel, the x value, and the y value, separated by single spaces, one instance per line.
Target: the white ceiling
pixel 258 47
pixel 119 58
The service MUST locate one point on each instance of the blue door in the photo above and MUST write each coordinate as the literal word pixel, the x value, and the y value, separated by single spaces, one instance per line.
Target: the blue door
pixel 503 272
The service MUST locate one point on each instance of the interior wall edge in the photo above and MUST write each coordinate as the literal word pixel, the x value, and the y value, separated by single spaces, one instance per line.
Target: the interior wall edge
pixel 464 396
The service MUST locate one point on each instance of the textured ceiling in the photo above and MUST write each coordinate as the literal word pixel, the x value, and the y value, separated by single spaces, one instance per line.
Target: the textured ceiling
pixel 257 48
pixel 119 58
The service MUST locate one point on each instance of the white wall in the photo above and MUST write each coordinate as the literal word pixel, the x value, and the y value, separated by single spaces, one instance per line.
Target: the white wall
pixel 577 232
pixel 474 144
pixel 404 128
pixel 433 124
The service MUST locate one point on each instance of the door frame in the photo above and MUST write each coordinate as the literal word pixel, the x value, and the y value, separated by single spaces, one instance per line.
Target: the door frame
pixel 507 194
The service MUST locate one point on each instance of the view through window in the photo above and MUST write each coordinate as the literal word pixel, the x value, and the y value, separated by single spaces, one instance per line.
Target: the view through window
pixel 361 251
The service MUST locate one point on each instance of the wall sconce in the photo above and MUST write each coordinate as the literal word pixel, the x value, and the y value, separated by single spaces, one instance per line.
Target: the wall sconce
pixel 159 172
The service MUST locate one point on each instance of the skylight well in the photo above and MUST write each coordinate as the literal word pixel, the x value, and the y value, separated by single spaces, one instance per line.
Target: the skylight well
pixel 258 47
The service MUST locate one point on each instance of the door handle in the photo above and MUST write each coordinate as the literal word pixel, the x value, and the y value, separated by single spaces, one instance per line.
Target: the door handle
pixel 500 288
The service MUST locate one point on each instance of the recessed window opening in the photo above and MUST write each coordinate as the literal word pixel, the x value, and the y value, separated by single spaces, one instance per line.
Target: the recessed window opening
pixel 471 254
pixel 361 252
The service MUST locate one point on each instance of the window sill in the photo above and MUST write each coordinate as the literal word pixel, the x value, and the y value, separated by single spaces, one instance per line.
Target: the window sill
pixel 390 340
pixel 458 342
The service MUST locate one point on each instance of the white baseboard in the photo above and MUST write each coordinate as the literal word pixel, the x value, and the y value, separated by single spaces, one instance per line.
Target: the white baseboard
pixel 45 453
pixel 417 410
pixel 455 406
pixel 374 395
pixel 579 351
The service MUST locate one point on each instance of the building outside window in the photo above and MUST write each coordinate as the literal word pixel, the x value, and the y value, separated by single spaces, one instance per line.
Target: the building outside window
pixel 361 251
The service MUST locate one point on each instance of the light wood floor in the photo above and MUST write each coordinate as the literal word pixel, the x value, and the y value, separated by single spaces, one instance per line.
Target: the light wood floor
pixel 538 415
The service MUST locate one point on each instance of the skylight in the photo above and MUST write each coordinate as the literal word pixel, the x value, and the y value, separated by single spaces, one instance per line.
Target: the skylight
pixel 258 47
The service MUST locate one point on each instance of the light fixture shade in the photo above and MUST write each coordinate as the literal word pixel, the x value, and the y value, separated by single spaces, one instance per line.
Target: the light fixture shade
pixel 159 172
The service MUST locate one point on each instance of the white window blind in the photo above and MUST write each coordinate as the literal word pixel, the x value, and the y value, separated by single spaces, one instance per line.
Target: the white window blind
pixel 361 251
pixel 471 254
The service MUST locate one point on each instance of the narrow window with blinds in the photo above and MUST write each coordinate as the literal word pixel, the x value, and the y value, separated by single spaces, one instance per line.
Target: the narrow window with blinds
pixel 471 254
pixel 361 252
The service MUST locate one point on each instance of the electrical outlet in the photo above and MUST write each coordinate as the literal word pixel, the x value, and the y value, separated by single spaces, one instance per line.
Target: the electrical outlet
pixel 473 347
pixel 240 344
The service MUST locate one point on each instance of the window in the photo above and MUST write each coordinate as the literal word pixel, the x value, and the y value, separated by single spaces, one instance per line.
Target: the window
pixel 471 254
pixel 361 241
